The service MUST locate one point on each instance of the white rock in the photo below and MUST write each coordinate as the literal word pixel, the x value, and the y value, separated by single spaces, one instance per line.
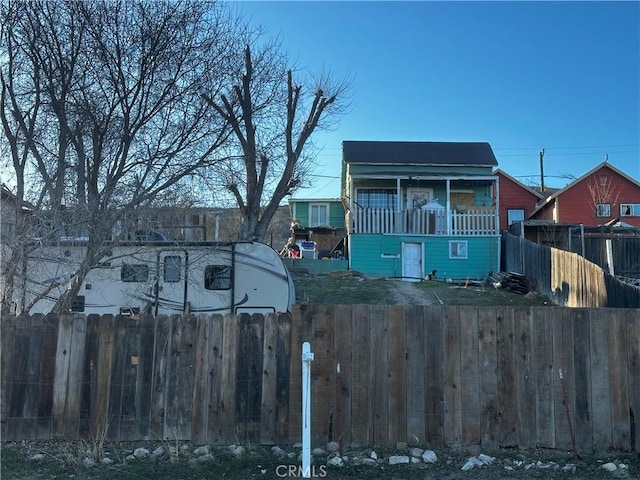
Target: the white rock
pixel 610 467
pixel 373 455
pixel 37 457
pixel 486 459
pixel 472 462
pixel 202 450
pixel 416 452
pixel 107 461
pixel 141 453
pixel 508 467
pixel 332 447
pixel 88 462
pixel 207 457
pixel 372 462
pixel 416 460
pixel 335 461
pixel 429 456
pixel 398 459
pixel 569 467
pixel 158 452
pixel 278 452
pixel 239 451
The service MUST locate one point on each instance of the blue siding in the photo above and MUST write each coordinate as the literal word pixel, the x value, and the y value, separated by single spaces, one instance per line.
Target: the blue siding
pixel 381 255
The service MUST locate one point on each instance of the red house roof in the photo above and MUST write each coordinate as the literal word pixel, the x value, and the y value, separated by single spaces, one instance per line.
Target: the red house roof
pixel 596 198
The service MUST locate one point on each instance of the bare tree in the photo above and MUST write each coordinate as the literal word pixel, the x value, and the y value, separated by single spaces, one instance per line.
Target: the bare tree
pixel 273 119
pixel 115 116
pixel 604 197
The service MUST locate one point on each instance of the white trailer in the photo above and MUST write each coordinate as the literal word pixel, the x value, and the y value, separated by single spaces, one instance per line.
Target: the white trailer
pixel 162 278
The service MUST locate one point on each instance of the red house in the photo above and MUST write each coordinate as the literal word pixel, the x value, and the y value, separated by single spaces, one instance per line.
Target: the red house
pixel 516 201
pixel 601 196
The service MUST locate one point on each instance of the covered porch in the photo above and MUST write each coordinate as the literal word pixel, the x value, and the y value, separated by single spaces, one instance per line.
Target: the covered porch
pixel 460 205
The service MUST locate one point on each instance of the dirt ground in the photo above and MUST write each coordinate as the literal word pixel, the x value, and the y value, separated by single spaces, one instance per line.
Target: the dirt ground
pixel 80 461
pixel 348 288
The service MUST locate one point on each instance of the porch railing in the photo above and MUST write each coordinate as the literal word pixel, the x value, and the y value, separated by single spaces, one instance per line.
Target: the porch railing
pixel 473 221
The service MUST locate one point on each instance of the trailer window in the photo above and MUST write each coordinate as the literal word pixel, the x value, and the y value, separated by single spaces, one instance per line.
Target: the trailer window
pixel 172 268
pixel 217 277
pixel 134 272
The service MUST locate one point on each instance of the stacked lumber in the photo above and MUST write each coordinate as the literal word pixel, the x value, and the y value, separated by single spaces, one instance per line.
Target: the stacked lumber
pixel 512 281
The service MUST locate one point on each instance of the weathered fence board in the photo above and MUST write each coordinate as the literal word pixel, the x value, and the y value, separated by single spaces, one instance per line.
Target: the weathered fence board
pixel 566 277
pixel 525 377
pixel 435 375
pixel 583 413
pixel 469 375
pixel 379 375
pixel 415 389
pixel 360 394
pixel 453 381
pixel 488 360
pixel 397 377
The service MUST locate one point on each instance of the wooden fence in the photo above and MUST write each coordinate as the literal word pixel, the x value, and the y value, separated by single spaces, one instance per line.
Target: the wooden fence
pixel 567 278
pixel 427 375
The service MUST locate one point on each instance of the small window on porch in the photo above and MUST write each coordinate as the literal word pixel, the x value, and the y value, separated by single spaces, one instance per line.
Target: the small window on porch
pixel 458 249
pixel 376 198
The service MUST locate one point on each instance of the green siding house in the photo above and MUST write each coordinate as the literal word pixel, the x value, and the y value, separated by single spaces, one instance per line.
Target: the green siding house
pixel 416 207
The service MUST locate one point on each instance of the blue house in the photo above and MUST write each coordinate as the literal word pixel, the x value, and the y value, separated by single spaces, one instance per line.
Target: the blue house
pixel 418 207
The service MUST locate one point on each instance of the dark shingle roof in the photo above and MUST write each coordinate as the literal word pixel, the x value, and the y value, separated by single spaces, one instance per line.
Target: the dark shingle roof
pixel 419 153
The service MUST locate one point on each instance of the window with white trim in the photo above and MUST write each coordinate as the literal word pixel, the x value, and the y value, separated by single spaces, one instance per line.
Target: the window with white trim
pixel 515 215
pixel 630 209
pixel 458 249
pixel 603 209
pixel 318 214
pixel 377 198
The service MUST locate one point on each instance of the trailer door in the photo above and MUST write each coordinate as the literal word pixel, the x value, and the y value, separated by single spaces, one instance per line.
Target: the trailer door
pixel 171 290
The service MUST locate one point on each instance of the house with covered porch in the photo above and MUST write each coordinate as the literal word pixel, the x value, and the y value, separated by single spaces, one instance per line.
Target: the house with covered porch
pixel 421 208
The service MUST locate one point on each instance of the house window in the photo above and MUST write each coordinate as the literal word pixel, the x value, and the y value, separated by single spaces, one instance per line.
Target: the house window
pixel 603 180
pixel 217 277
pixel 515 215
pixel 138 272
pixel 630 210
pixel 458 249
pixel 318 214
pixel 172 269
pixel 603 209
pixel 377 198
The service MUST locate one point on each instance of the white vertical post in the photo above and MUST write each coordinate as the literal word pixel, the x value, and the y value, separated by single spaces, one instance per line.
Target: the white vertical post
pixel 307 358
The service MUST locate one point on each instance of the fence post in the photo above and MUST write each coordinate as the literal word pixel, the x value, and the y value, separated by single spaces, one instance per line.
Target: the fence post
pixel 307 358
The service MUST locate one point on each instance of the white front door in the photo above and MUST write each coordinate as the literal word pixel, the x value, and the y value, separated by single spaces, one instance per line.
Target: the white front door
pixel 412 262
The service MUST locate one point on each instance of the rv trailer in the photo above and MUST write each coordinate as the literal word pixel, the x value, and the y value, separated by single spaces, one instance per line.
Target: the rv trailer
pixel 162 278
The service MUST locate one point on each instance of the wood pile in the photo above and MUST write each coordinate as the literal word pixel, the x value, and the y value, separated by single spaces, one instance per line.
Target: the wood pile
pixel 512 281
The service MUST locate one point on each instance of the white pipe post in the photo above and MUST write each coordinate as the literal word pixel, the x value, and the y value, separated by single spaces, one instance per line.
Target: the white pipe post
pixel 307 358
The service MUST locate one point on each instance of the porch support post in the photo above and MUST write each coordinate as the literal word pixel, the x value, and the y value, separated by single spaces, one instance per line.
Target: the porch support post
pixel 448 206
pixel 397 223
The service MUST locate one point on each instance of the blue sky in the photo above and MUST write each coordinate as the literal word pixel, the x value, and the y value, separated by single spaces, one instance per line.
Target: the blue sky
pixel 523 76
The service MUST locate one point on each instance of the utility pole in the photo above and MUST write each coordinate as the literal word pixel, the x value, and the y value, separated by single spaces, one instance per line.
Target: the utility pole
pixel 542 171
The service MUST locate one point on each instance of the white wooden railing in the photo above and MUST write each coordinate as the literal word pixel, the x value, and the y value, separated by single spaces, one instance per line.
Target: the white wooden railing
pixel 473 221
